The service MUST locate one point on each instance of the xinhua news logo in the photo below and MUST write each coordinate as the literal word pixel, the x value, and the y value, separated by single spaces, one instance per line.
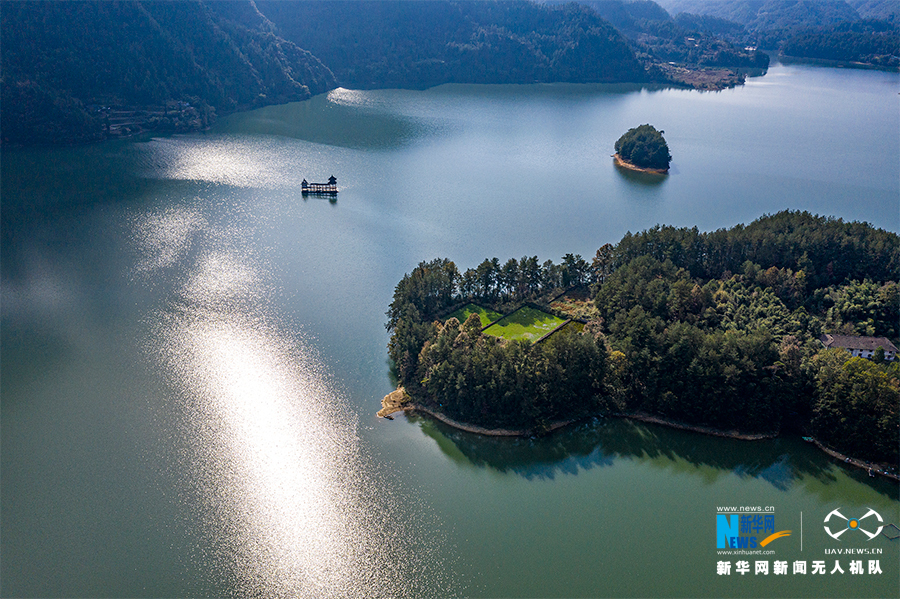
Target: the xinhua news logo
pixel 836 524
pixel 747 529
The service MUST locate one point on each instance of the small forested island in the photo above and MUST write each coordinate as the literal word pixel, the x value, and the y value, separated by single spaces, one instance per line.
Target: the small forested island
pixel 644 149
pixel 717 332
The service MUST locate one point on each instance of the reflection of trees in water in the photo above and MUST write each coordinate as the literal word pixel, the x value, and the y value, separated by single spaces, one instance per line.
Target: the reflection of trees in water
pixel 641 178
pixel 577 447
pixel 782 462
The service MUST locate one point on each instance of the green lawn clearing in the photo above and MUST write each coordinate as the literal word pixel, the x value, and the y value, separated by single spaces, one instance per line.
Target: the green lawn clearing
pixel 486 316
pixel 526 323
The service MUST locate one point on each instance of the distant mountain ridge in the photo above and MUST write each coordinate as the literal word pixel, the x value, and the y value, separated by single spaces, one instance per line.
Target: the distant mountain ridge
pixel 765 15
pixel 760 15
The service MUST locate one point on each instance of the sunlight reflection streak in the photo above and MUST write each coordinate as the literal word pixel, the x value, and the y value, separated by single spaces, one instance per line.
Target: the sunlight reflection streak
pixel 277 483
pixel 284 474
pixel 224 161
pixel 272 443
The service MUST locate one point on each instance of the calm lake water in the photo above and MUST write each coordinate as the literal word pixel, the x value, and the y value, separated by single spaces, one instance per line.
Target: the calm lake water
pixel 193 354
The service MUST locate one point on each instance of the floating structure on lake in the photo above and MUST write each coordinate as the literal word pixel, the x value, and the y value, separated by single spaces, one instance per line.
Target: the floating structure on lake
pixel 329 189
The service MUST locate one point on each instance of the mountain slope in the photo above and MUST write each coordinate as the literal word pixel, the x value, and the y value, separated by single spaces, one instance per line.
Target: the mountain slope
pixel 372 44
pixel 59 58
pixel 888 10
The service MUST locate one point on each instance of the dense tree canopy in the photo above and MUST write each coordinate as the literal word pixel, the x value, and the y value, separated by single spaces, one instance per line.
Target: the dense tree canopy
pixel 684 311
pixel 478 378
pixel 858 405
pixel 828 250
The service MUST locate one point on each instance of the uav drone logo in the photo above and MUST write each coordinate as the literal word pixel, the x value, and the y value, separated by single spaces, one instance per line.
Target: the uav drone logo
pixel 853 524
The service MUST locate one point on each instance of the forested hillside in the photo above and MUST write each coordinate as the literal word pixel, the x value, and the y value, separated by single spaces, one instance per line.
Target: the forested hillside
pixel 767 15
pixel 872 42
pixel 690 40
pixel 371 44
pixel 67 66
pixel 82 71
pixel 888 10
pixel 716 329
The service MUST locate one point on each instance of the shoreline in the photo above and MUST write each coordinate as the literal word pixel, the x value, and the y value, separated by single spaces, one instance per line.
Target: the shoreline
pixel 836 64
pixel 849 461
pixel 480 430
pixel 621 162
pixel 643 417
pixel 398 401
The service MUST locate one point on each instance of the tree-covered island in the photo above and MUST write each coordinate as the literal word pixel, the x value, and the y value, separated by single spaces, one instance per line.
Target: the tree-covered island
pixel 714 331
pixel 643 148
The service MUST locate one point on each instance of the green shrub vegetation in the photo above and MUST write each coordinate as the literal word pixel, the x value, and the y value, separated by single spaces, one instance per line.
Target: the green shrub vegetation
pixel 485 315
pixel 645 147
pixel 715 329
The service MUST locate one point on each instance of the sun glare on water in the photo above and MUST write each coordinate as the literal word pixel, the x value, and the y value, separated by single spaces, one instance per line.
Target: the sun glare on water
pixel 275 472
pixel 224 161
pixel 277 482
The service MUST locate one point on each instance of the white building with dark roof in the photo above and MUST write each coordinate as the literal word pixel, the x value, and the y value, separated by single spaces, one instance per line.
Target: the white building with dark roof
pixel 860 347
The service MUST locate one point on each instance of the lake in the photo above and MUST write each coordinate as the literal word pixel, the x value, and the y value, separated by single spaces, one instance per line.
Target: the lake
pixel 193 353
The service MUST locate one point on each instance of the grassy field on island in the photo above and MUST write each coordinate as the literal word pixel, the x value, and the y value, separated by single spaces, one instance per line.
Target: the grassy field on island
pixel 487 316
pixel 526 323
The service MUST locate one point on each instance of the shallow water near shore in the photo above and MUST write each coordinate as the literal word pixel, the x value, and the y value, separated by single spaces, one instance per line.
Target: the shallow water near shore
pixel 193 354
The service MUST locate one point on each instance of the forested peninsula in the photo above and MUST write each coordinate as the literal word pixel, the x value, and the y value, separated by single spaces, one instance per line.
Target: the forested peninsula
pixel 717 331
